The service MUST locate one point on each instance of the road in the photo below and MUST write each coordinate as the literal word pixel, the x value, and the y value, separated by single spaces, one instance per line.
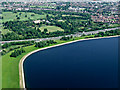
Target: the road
pixel 56 38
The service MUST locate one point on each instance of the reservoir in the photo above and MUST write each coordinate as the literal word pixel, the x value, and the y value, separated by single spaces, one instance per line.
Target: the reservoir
pixel 82 64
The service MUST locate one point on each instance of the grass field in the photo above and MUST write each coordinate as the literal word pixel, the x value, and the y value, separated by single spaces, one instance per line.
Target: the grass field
pixel 0 73
pixel 43 6
pixel 7 16
pixel 13 46
pixel 51 28
pixel 71 15
pixel 10 67
pixel 65 15
pixel 114 25
pixel 61 20
pixel 5 31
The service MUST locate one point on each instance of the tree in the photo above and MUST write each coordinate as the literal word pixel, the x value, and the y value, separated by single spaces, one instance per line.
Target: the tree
pixel 18 17
pixel 17 52
pixel 14 11
pixel 45 30
pixel 20 13
pixel 32 14
pixel 25 15
pixel 58 7
pixel 5 45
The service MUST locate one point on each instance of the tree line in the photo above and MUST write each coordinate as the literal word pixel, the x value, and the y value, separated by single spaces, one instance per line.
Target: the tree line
pixel 17 52
pixel 71 24
pixel 6 45
pixel 44 43
pixel 66 38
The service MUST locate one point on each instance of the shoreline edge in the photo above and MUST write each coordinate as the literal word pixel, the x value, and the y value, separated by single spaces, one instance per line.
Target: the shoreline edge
pixel 21 69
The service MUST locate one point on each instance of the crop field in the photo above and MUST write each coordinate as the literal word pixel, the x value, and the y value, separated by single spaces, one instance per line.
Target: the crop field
pixel 10 16
pixel 51 28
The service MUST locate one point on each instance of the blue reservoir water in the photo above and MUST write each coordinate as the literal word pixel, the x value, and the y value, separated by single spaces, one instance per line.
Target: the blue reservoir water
pixel 83 64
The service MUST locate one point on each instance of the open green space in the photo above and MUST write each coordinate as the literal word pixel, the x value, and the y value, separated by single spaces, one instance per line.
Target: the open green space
pixel 51 28
pixel 10 16
pixel 71 15
pixel 0 73
pixel 10 66
pixel 10 69
pixel 61 20
pixel 13 46
pixel 114 25
pixel 43 6
pixel 5 31
pixel 65 15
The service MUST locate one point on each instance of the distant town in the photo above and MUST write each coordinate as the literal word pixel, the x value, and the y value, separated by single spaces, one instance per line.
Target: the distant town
pixel 99 11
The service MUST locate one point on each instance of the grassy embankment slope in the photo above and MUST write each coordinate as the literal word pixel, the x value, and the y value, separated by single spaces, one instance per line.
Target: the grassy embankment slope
pixel 10 65
pixel 0 72
pixel 0 59
pixel 10 69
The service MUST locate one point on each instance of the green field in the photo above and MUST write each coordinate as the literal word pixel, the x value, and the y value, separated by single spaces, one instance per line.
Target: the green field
pixel 5 31
pixel 0 73
pixel 61 20
pixel 65 15
pixel 10 16
pixel 10 67
pixel 71 15
pixel 43 6
pixel 114 25
pixel 51 28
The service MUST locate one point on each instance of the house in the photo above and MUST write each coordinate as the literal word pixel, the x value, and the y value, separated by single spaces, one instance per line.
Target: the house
pixel 37 21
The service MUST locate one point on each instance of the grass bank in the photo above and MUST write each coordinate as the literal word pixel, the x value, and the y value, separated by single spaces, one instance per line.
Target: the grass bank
pixel 10 65
pixel 10 69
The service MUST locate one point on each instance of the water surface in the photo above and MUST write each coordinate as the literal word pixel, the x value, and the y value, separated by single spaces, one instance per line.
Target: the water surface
pixel 83 64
